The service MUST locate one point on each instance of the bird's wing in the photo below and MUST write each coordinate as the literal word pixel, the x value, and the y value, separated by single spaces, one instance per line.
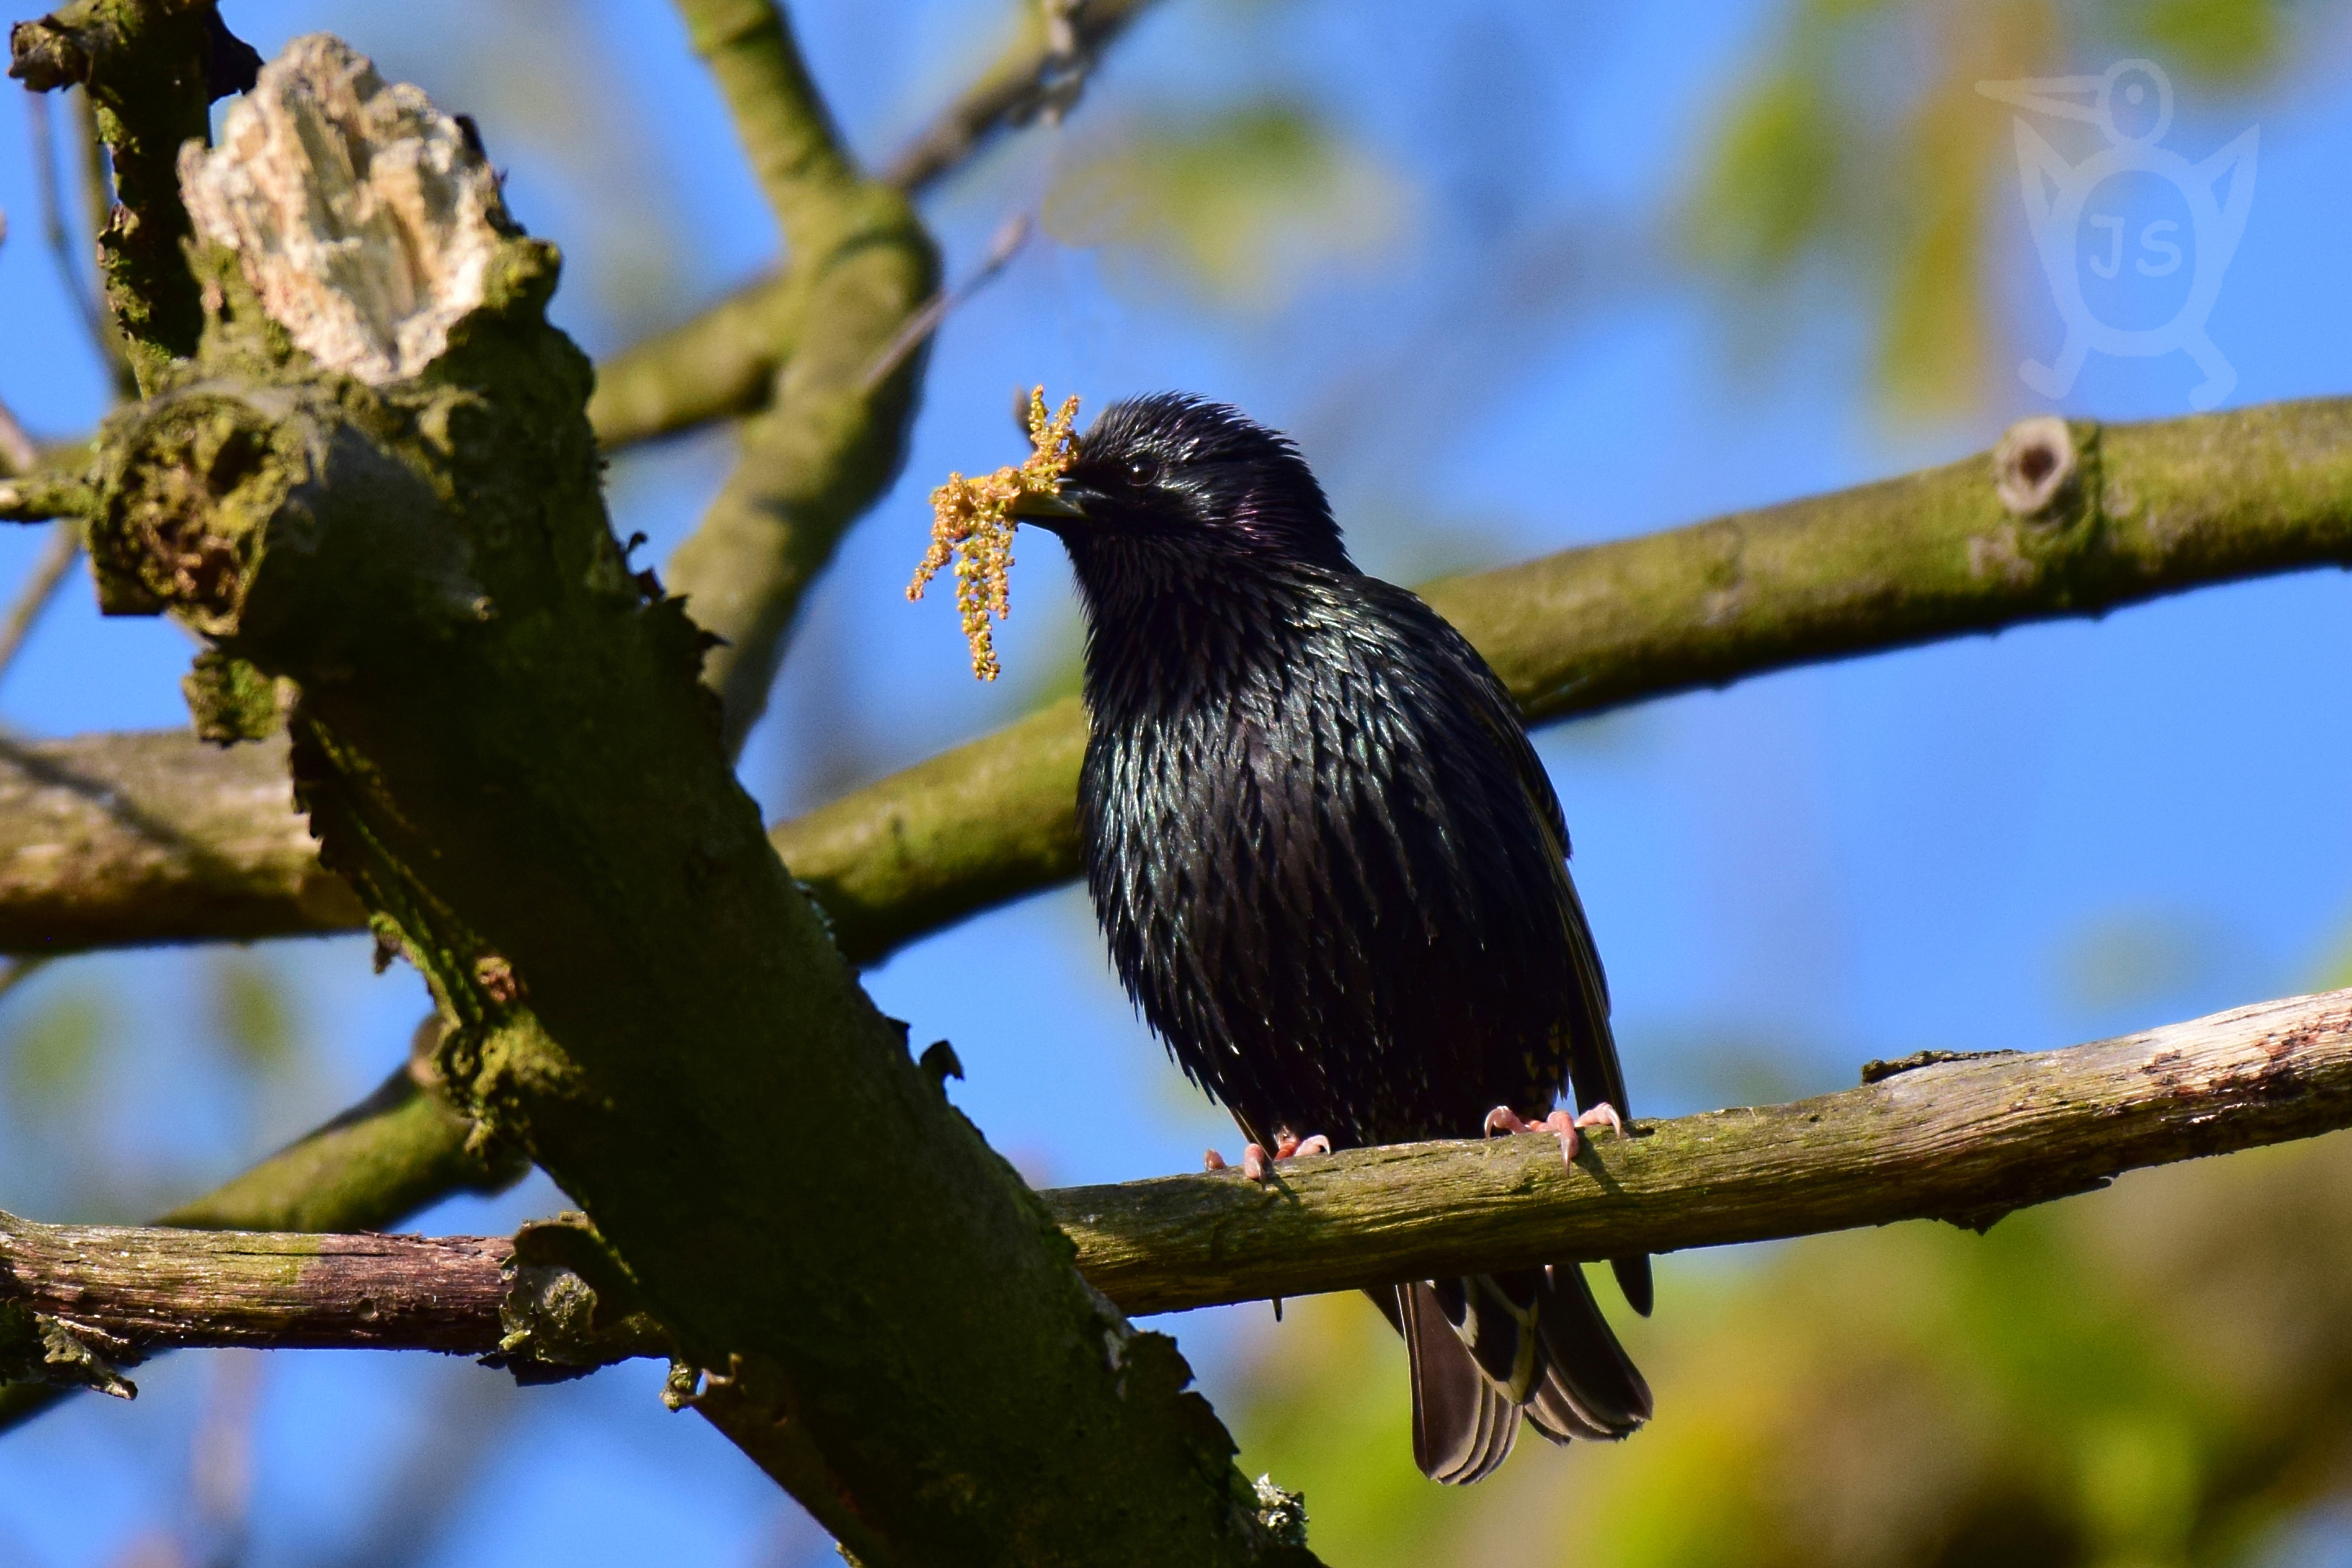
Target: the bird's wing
pixel 1595 1073
pixel 1593 1067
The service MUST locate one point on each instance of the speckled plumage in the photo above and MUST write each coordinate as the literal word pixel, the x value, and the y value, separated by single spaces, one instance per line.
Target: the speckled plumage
pixel 1333 875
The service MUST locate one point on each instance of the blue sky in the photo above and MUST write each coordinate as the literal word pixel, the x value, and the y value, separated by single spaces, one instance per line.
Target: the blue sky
pixel 2024 841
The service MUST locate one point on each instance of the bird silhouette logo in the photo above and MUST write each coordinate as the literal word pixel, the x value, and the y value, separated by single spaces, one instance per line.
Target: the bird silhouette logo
pixel 2131 105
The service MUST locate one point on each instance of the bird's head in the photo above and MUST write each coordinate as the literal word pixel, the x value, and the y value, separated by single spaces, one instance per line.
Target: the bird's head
pixel 1170 478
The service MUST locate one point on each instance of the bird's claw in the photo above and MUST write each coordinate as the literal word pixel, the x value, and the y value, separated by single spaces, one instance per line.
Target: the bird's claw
pixel 1258 1165
pixel 1603 1115
pixel 1503 1118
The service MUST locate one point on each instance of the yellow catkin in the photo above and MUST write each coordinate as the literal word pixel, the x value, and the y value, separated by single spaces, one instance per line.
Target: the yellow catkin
pixel 972 520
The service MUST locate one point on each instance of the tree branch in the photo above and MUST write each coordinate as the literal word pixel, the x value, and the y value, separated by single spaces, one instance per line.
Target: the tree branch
pixel 80 1303
pixel 828 443
pixel 150 68
pixel 134 839
pixel 1965 1138
pixel 44 494
pixel 400 1150
pixel 2134 512
pixel 719 365
pixel 724 362
pixel 2183 504
pixel 1041 73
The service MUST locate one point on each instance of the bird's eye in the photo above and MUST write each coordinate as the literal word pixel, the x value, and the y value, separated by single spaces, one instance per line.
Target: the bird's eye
pixel 1142 470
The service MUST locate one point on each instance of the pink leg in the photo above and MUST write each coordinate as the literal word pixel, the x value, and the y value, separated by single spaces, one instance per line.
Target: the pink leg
pixel 1258 1164
pixel 1503 1118
pixel 1255 1162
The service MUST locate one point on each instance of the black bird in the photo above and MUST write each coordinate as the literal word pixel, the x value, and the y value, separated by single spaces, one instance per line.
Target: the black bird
pixel 1334 877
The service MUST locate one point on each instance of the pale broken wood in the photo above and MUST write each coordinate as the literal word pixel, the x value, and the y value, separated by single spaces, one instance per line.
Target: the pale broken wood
pixel 364 218
pixel 1964 1139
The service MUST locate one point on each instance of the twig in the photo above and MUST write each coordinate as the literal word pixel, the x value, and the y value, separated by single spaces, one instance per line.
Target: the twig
pixel 76 281
pixel 1041 75
pixel 18 455
pixel 1011 236
pixel 724 362
pixel 39 590
pixel 1965 1138
pixel 44 494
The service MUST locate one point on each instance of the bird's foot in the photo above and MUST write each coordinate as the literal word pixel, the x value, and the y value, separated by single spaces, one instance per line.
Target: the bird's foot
pixel 1503 1118
pixel 1255 1162
pixel 1257 1165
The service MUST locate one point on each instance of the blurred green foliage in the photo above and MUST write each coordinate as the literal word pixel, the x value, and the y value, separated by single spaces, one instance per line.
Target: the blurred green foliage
pixel 2157 1374
pixel 250 1015
pixel 53 1049
pixel 1859 147
pixel 1238 207
pixel 2136 960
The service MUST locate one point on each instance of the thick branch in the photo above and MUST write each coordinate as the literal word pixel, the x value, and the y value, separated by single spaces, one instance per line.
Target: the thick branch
pixel 716 365
pixel 1965 1139
pixel 141 1291
pixel 110 839
pixel 2186 503
pixel 79 1303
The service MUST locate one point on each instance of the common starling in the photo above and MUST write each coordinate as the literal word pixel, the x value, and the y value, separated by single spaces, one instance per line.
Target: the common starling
pixel 1334 879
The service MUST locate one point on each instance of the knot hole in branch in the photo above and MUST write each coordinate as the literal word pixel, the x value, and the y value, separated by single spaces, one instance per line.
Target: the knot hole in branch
pixel 2035 466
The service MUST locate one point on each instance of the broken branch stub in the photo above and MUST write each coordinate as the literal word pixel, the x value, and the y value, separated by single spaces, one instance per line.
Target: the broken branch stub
pixel 364 220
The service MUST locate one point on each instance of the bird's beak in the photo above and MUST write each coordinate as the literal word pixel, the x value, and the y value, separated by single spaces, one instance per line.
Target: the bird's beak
pixel 1057 513
pixel 1058 507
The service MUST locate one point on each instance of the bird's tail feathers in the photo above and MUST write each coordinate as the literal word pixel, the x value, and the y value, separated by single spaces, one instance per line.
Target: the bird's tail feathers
pixel 1462 1427
pixel 1488 1349
pixel 1592 1389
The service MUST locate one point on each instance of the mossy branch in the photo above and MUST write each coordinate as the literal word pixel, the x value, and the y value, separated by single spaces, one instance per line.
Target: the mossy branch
pixel 150 67
pixel 2127 513
pixel 1965 1138
pixel 400 1150
pixel 724 362
pixel 2177 505
pixel 827 444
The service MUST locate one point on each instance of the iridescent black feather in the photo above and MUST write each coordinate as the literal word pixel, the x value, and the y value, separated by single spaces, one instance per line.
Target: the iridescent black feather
pixel 1333 875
